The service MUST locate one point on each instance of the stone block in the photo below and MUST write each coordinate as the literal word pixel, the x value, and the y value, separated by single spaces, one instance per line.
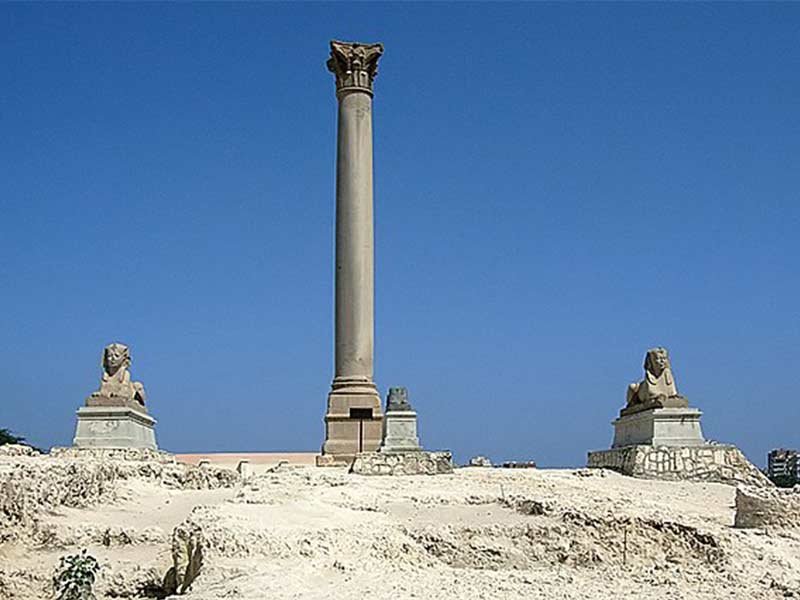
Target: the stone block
pixel 400 432
pixel 659 427
pixel 346 432
pixel 114 427
pixel 774 508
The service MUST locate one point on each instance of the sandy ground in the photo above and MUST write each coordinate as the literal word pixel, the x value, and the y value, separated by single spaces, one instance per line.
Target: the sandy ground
pixel 313 533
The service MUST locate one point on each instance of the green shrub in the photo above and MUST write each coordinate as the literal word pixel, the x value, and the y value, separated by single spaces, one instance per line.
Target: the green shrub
pixel 75 577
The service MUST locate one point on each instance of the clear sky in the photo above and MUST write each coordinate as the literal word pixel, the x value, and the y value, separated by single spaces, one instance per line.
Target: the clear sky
pixel 557 189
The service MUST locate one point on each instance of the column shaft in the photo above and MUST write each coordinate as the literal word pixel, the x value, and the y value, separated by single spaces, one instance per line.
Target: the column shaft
pixel 355 296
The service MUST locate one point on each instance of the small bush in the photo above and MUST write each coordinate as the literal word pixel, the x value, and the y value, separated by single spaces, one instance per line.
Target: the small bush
pixel 6 437
pixel 75 577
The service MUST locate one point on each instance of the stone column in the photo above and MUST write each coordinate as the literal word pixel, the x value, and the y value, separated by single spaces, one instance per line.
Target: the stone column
pixel 353 418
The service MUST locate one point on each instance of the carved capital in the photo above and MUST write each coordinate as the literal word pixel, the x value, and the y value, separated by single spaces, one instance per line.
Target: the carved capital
pixel 355 65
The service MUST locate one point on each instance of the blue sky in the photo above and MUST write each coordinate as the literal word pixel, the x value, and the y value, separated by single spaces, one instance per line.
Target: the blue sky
pixel 558 187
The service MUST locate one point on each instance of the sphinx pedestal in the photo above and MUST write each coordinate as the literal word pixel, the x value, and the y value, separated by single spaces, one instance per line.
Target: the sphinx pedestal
pixel 720 463
pixel 659 427
pixel 400 432
pixel 114 427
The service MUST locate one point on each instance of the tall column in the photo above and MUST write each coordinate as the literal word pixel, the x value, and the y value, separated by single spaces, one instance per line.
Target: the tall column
pixel 353 418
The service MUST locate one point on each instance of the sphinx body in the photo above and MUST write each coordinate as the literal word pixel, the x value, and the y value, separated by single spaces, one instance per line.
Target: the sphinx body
pixel 116 387
pixel 657 389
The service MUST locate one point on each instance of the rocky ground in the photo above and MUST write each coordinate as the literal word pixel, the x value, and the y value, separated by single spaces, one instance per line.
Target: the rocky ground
pixel 161 529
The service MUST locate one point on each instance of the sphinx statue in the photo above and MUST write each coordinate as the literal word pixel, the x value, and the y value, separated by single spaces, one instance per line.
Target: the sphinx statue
pixel 657 389
pixel 398 400
pixel 116 387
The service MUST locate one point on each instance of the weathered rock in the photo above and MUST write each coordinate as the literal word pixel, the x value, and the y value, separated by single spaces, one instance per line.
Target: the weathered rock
pixel 130 580
pixel 776 508
pixel 30 486
pixel 187 556
pixel 50 535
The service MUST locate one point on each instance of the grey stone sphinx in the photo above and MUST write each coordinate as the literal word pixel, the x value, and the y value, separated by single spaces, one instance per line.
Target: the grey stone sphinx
pixel 115 416
pixel 399 424
pixel 655 413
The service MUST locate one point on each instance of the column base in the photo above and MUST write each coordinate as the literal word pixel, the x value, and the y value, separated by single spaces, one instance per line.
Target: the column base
pixel 353 424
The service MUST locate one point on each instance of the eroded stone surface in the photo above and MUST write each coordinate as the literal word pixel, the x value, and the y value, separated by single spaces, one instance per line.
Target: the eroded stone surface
pixel 34 486
pixel 776 508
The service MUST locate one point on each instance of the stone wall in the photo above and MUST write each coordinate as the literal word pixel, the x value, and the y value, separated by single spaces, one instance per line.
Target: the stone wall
pixel 767 508
pixel 710 462
pixel 147 454
pixel 405 463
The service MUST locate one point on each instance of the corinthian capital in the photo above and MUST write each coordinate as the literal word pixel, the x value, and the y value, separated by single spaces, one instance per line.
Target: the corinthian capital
pixel 355 65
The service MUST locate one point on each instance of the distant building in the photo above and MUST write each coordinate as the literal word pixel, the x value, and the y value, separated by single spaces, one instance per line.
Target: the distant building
pixel 783 467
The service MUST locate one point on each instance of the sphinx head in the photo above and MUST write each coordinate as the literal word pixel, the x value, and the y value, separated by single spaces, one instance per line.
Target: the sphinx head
pixel 657 361
pixel 115 357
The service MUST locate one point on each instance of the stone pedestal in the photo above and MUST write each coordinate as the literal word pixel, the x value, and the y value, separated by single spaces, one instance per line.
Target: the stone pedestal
pixel 659 427
pixel 720 463
pixel 400 432
pixel 114 427
pixel 352 425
